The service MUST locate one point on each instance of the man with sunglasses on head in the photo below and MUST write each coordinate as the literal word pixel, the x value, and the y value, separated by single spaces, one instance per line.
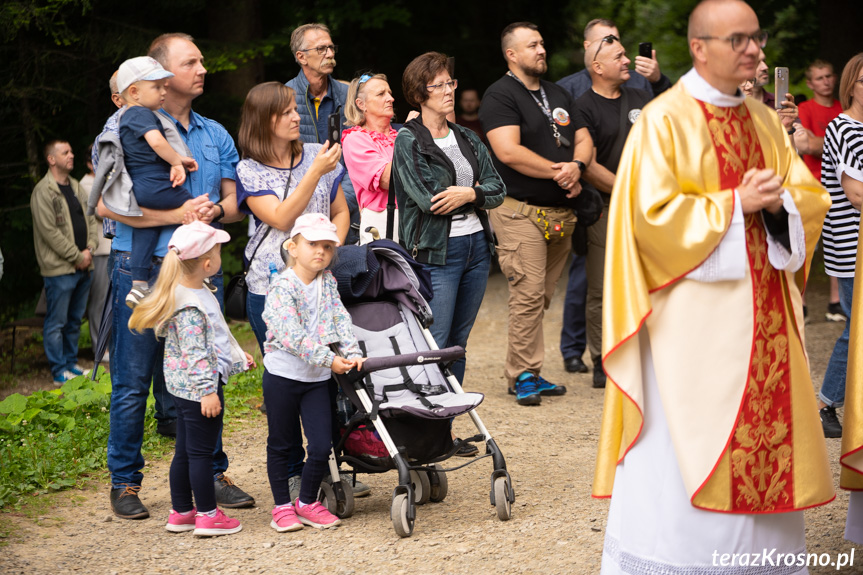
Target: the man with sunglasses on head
pixel 319 95
pixel 599 35
pixel 540 151
pixel 710 446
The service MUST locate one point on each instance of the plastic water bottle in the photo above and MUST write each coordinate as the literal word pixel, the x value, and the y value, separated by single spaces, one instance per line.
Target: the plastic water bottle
pixel 274 272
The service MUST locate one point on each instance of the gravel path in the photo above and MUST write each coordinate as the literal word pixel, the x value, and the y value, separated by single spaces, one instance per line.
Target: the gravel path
pixel 556 526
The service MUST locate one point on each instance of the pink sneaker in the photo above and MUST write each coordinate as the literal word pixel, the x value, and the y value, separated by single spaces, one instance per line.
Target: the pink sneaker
pixel 179 523
pixel 221 524
pixel 285 519
pixel 316 515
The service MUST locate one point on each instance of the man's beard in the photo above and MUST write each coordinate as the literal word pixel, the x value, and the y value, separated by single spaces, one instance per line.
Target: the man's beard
pixel 537 69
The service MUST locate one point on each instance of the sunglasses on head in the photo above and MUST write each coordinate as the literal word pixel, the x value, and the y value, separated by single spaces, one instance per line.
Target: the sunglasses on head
pixel 610 39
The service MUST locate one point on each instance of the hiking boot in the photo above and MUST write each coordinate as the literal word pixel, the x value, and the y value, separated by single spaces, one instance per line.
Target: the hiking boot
pixel 830 422
pixel 220 524
pixel 835 313
pixel 315 515
pixel 575 365
pixel 181 522
pixel 360 489
pixel 229 495
pixel 547 388
pixel 526 390
pixel 599 377
pixel 285 519
pixel 126 504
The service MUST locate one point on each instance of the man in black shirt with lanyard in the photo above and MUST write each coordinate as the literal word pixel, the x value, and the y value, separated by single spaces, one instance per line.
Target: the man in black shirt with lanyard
pixel 540 152
pixel 608 110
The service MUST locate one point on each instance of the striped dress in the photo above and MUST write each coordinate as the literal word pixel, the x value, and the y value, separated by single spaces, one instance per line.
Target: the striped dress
pixel 843 154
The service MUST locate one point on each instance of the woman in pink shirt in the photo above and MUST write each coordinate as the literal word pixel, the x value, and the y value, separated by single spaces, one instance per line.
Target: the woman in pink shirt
pixel 368 150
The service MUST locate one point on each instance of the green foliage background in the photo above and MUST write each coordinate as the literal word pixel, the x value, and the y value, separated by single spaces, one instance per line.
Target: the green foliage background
pixel 58 55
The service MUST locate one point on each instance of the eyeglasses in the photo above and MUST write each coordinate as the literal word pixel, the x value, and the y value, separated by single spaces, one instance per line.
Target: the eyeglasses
pixel 321 50
pixel 740 42
pixel 610 39
pixel 451 84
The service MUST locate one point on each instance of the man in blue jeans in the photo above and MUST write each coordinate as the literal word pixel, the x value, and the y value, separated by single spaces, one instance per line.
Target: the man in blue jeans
pixel 64 238
pixel 137 358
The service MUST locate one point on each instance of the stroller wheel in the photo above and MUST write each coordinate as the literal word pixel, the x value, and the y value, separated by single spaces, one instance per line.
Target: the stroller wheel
pixel 338 499
pixel 439 484
pixel 402 523
pixel 421 486
pixel 502 502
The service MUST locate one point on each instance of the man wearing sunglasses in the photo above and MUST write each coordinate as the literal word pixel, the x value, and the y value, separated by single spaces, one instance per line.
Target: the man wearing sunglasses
pixel 599 35
pixel 318 95
pixel 711 445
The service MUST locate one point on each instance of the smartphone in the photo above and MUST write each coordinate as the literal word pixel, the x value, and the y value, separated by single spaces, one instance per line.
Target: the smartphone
pixel 334 129
pixel 781 86
pixel 645 49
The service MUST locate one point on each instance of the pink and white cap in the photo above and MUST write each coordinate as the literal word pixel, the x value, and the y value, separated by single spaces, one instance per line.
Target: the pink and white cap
pixel 193 240
pixel 315 227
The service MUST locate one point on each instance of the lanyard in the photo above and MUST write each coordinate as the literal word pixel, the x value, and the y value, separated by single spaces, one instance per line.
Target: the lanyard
pixel 559 139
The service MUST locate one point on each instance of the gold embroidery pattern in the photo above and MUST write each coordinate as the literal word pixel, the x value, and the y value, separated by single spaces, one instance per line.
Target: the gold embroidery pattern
pixel 736 149
pixel 761 452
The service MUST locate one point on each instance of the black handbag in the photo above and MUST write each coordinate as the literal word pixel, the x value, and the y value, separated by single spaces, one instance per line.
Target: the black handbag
pixel 238 289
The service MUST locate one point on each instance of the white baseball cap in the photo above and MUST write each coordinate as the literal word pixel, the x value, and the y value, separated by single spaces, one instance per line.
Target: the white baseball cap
pixel 140 68
pixel 315 227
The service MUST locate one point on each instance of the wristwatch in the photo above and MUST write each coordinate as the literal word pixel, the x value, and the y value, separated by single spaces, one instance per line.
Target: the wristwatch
pixel 581 165
pixel 221 213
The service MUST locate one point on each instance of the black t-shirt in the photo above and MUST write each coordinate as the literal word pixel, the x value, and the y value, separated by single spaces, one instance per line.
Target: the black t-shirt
pixel 601 116
pixel 76 215
pixel 508 103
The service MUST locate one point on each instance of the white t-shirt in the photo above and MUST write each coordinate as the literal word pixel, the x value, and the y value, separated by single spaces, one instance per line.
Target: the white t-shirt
pixel 462 224
pixel 220 331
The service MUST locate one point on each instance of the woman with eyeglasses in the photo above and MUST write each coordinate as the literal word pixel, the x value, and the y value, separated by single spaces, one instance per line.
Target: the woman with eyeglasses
pixel 444 182
pixel 368 148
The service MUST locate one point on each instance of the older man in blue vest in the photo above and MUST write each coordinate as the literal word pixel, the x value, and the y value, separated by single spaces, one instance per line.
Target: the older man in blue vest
pixel 319 95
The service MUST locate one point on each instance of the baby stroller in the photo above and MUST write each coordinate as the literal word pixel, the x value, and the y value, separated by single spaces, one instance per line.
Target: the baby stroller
pixel 405 392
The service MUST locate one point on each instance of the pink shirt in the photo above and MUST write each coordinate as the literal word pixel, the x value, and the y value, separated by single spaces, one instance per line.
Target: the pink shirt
pixel 367 154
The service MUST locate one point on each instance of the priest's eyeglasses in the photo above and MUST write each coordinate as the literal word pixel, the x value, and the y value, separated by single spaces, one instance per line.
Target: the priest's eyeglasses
pixel 610 39
pixel 740 42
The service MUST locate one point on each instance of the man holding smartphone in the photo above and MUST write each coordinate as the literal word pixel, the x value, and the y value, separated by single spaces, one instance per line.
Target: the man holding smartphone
pixel 648 78
pixel 710 442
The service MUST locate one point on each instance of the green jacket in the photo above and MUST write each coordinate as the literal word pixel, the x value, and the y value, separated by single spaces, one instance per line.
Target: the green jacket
pixel 53 237
pixel 420 171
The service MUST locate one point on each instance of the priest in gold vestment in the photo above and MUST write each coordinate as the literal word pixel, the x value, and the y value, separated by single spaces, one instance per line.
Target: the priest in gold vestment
pixel 711 445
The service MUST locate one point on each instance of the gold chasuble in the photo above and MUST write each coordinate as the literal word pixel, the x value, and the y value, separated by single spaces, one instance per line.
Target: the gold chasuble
pixel 851 459
pixel 728 355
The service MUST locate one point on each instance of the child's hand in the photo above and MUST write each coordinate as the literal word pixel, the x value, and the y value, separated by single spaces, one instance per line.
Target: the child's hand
pixel 250 362
pixel 342 365
pixel 359 363
pixel 178 175
pixel 189 163
pixel 210 405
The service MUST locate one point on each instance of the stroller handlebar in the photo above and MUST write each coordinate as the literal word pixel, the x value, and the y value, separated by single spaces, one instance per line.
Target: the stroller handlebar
pixel 445 356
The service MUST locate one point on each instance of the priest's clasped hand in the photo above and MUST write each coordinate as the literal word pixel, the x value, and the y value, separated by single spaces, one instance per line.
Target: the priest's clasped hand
pixel 760 190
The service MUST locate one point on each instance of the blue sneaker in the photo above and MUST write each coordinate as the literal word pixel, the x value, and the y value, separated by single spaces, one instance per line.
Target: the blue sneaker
pixel 526 390
pixel 547 388
pixel 78 370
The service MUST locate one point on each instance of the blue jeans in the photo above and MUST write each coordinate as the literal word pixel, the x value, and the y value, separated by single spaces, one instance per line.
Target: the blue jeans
pixel 573 333
pixel 136 360
pixel 459 286
pixel 833 389
pixel 67 299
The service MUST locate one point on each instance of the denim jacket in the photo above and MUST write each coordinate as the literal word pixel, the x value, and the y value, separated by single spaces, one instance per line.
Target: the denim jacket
pixel 286 315
pixel 191 365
